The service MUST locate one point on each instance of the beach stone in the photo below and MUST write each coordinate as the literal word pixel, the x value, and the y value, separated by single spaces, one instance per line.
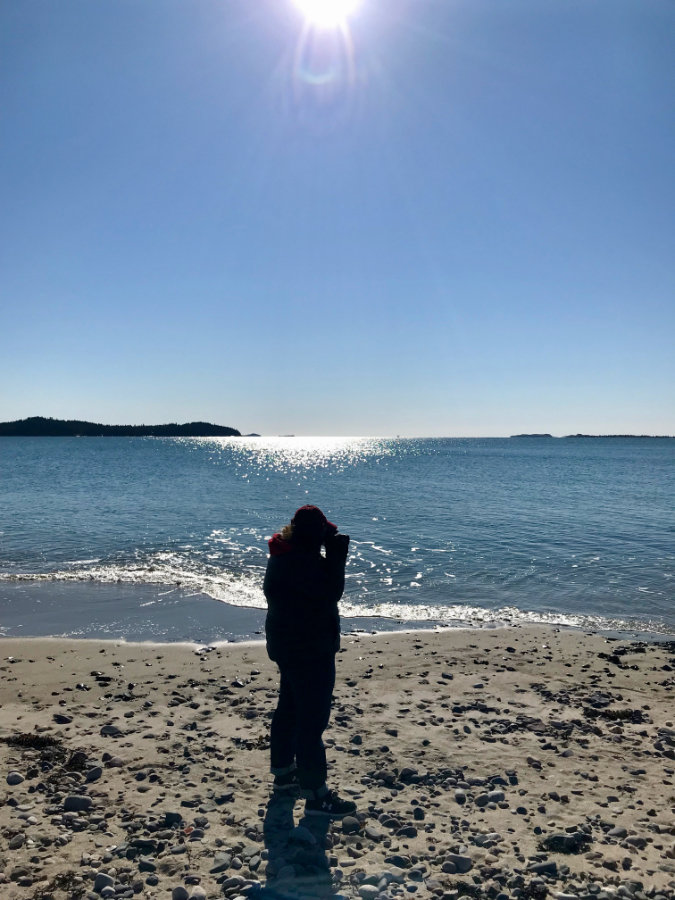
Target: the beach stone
pixel 350 825
pixel 179 893
pixel 221 862
pixel 103 880
pixel 62 719
pixel 460 796
pixel 77 803
pixel 111 731
pixel 565 843
pixel 198 893
pixel 462 863
pixel 93 774
pixel 369 891
pixel 172 819
pixel 397 876
pixel 19 872
pixel 14 778
pixel 374 833
pixel 544 868
pixel 401 862
pixel 17 841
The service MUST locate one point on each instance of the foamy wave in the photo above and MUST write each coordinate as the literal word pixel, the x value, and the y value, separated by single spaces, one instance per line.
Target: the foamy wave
pixel 238 589
pixel 462 615
pixel 244 589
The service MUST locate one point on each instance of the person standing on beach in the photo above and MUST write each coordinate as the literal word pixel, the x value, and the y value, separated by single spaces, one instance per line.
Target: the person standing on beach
pixel 302 588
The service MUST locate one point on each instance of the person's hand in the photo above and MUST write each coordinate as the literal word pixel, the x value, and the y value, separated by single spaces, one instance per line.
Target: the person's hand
pixel 337 545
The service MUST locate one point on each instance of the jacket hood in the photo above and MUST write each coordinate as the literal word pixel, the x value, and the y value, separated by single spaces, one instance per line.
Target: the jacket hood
pixel 278 546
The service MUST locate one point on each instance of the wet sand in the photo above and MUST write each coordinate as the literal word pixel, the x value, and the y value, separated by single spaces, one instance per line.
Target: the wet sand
pixel 511 763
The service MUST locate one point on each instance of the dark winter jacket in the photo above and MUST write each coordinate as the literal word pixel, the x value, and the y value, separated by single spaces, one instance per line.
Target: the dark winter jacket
pixel 302 589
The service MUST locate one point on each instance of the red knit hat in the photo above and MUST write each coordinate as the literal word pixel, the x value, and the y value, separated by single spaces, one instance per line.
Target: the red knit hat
pixel 309 521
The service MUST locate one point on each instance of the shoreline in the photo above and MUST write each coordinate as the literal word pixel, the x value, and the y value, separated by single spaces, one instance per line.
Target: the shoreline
pixel 520 762
pixel 159 613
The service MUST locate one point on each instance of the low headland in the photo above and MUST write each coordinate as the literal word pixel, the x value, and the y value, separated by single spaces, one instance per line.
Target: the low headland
pixel 521 763
pixel 39 426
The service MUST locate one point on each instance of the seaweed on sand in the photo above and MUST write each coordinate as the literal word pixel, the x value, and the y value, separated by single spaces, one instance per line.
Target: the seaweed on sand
pixel 52 751
pixel 64 881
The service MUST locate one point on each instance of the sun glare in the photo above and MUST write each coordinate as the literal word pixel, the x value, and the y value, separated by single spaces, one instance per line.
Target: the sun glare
pixel 327 13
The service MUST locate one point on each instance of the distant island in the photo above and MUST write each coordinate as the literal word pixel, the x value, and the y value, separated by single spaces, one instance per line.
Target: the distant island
pixel 38 426
pixel 646 436
pixel 567 436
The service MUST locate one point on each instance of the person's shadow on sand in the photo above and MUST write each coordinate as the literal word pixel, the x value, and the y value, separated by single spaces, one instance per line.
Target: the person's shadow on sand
pixel 297 865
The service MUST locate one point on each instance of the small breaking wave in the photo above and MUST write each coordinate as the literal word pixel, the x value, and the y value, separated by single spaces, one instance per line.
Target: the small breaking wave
pixel 244 589
pixel 164 568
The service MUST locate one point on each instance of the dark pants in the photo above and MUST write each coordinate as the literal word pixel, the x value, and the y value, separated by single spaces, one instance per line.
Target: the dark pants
pixel 301 717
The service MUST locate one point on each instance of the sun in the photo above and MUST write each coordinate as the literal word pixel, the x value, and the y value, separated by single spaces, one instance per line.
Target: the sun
pixel 327 13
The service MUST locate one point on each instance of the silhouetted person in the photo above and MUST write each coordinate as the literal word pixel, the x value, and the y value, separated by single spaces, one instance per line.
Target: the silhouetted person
pixel 302 588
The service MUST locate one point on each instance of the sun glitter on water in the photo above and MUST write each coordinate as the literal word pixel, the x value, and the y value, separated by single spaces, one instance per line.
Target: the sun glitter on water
pixel 327 13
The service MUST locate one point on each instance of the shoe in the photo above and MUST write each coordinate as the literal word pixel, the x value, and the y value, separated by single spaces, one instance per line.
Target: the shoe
pixel 286 784
pixel 331 805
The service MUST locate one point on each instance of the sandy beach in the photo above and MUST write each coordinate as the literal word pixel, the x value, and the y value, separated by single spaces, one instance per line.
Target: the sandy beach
pixel 509 763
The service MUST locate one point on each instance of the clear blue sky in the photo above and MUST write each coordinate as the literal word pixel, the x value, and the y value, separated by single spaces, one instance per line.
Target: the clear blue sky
pixel 458 219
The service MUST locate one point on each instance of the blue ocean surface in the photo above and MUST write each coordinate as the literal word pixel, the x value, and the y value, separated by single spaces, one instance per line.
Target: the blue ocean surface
pixel 141 538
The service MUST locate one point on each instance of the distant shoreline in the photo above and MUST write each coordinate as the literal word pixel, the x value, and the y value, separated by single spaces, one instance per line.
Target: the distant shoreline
pixel 564 437
pixel 39 426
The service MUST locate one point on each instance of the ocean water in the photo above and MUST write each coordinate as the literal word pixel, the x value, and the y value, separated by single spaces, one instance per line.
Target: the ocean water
pixel 148 537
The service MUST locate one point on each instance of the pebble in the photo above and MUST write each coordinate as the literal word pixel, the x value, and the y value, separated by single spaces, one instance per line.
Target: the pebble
pixel 62 719
pixel 14 778
pixel 103 880
pixel 462 863
pixel 198 893
pixel 564 843
pixel 111 731
pixel 221 862
pixel 77 803
pixel 350 825
pixel 179 893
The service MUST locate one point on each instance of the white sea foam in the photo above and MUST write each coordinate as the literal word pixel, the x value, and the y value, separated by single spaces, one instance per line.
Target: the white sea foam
pixel 245 590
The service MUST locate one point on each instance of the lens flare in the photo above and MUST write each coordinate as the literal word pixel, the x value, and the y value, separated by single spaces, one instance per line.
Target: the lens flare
pixel 327 13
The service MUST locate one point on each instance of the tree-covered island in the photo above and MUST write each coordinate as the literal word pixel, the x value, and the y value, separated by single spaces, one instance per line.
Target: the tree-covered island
pixel 39 426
